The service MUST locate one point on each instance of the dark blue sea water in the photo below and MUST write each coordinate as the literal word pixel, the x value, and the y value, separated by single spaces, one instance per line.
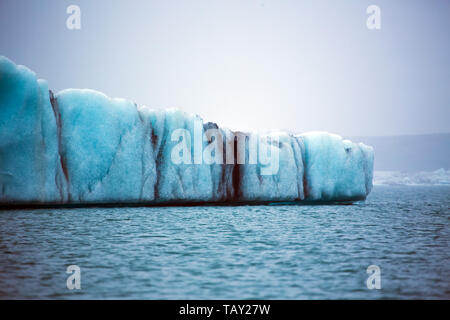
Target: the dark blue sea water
pixel 244 252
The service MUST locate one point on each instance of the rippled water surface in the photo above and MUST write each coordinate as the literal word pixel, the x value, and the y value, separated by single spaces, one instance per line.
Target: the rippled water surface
pixel 270 252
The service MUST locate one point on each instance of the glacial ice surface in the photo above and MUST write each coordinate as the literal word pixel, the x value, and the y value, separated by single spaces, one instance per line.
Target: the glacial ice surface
pixel 80 147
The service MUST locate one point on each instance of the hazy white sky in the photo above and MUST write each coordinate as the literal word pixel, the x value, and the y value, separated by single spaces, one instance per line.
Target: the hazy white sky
pixel 249 64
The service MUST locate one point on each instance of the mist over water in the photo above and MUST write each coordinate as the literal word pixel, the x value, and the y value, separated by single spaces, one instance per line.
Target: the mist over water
pixel 271 252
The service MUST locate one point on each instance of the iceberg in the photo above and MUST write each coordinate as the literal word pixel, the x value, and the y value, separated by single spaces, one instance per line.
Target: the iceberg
pixel 81 147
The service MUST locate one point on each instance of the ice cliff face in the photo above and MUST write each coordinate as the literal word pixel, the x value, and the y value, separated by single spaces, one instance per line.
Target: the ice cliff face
pixel 81 147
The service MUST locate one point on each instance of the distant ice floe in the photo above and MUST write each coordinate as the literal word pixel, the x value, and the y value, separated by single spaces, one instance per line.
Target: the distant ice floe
pixel 438 177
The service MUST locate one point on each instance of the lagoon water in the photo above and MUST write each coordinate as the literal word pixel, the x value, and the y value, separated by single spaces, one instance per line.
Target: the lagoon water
pixel 233 252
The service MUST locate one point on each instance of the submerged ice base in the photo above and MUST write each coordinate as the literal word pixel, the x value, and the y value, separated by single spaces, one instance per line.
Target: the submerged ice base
pixel 81 147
